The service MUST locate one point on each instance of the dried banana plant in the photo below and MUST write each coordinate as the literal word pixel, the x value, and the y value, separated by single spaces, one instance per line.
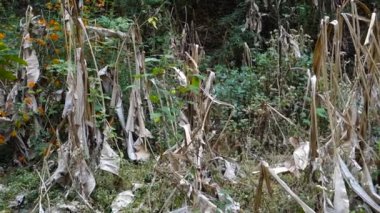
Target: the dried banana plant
pixel 193 153
pixel 75 154
pixel 351 100
pixel 342 162
pixel 135 125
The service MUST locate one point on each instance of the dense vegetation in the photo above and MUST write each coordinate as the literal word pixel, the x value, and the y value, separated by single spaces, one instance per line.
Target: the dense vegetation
pixel 189 106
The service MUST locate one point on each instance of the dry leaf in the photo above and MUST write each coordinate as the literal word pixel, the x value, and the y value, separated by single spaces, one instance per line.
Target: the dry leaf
pixel 85 179
pixel 32 70
pixel 109 160
pixel 181 77
pixel 341 202
pixel 122 200
pixel 356 186
pixel 231 169
pixel 301 155
pixel 142 153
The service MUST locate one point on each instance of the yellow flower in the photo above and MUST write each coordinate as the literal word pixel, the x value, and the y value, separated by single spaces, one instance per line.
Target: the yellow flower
pixel 2 36
pixel 25 117
pixel 56 61
pixel 13 133
pixel 49 6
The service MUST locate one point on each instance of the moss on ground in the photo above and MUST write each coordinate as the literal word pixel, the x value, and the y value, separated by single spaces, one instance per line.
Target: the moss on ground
pixel 156 193
pixel 19 181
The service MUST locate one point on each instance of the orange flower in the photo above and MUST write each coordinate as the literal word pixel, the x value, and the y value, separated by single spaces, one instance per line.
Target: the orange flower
pixel 42 22
pixel 2 36
pixel 52 22
pixel 31 84
pixel 2 139
pixel 54 36
pixel 3 113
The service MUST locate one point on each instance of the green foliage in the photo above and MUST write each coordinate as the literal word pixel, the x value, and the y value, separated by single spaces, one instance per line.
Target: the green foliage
pixel 229 50
pixel 120 23
pixel 7 61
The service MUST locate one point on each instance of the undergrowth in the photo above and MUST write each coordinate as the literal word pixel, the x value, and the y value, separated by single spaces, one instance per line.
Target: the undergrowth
pixel 261 97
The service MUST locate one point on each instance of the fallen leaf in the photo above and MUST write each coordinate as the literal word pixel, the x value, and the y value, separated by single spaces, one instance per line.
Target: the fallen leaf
pixel 122 201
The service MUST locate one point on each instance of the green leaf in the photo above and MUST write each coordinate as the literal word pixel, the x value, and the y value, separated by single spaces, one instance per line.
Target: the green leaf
pixel 147 60
pixel 3 47
pixel 321 112
pixel 156 117
pixel 158 71
pixel 154 98
pixel 16 59
pixel 6 75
